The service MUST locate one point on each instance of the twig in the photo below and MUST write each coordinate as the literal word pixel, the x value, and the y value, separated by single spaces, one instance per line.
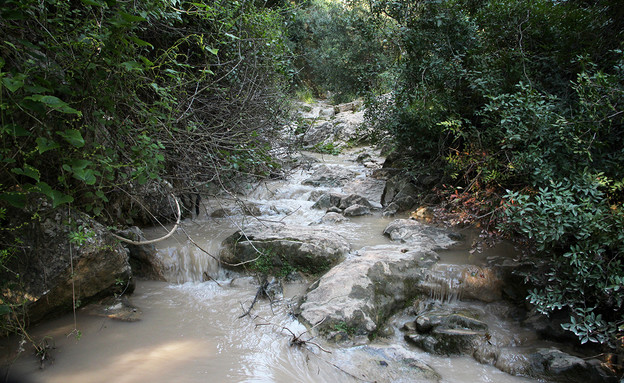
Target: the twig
pixel 139 243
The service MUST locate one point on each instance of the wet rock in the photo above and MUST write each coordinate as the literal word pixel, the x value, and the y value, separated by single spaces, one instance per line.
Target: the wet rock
pixel 426 322
pixel 326 176
pixel 143 259
pixel 319 133
pixel 445 341
pixel 369 188
pixel 222 212
pixel 353 199
pixel 399 189
pixel 448 331
pixel 416 234
pixel 249 209
pixel 100 264
pixel 384 364
pixel 549 326
pixel 391 210
pixel 334 209
pixel 118 308
pixel 461 329
pixel 327 200
pixel 356 210
pixel 556 365
pixel 333 218
pixel 364 290
pixel 308 249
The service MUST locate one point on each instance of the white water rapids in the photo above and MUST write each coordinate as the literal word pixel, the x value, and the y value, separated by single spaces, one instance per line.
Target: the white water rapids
pixel 190 330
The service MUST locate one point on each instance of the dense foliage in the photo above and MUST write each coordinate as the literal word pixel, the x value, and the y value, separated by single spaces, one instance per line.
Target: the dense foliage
pixel 515 103
pixel 342 50
pixel 103 102
pixel 520 102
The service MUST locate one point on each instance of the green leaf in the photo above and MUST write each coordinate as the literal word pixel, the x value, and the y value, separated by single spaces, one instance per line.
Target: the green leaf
pixel 79 164
pixel 85 175
pixel 146 61
pixel 14 199
pixel 214 51
pixel 132 65
pixel 5 309
pixel 73 137
pixel 28 171
pixel 140 42
pixel 43 145
pixel 54 103
pixel 101 195
pixel 130 18
pixel 36 89
pixel 14 83
pixel 57 197
pixel 92 2
pixel 15 131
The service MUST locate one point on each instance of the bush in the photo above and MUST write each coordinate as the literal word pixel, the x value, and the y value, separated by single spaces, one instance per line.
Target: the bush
pixel 573 228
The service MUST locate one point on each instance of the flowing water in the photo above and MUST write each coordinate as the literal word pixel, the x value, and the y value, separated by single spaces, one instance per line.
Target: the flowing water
pixel 190 329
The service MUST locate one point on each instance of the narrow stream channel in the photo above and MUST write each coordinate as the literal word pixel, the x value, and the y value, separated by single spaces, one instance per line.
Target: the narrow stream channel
pixel 190 329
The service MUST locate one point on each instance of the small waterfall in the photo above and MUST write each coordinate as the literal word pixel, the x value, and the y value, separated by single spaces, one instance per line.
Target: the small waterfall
pixel 187 264
pixel 445 283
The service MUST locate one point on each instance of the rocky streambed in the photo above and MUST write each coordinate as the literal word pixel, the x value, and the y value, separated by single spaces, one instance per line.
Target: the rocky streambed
pixel 336 282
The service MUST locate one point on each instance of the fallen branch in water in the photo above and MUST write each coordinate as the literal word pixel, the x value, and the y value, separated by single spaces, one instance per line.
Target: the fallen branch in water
pixel 296 340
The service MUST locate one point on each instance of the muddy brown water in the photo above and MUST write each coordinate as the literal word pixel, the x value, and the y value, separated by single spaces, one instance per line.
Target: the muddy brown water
pixel 190 330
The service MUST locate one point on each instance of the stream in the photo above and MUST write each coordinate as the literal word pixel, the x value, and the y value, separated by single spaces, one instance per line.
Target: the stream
pixel 190 330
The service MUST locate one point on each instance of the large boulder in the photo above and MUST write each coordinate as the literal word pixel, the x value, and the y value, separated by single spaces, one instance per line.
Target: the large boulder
pixel 487 333
pixel 356 210
pixel 369 188
pixel 399 190
pixel 70 258
pixel 556 365
pixel 304 248
pixel 365 289
pixel 143 259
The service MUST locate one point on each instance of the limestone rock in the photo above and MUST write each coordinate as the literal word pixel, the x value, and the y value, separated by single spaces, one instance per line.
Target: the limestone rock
pixel 333 218
pixel 416 234
pixel 364 290
pixel 305 248
pixel 369 188
pixel 398 189
pixel 143 258
pixel 556 365
pixel 327 200
pixel 353 199
pixel 100 264
pixel 384 364
pixel 329 176
pixel 356 210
